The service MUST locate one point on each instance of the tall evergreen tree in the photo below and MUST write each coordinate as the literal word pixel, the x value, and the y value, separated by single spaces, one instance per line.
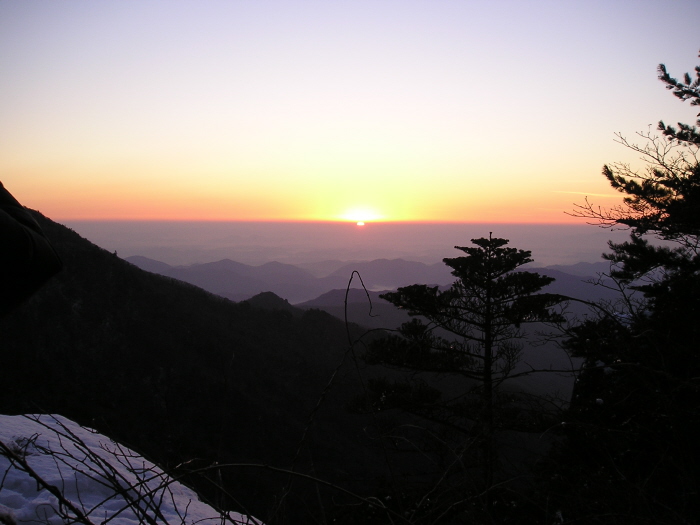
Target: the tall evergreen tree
pixel 635 418
pixel 470 332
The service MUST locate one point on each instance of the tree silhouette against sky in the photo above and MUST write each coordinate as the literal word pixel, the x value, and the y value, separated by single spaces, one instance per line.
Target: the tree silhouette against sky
pixel 471 332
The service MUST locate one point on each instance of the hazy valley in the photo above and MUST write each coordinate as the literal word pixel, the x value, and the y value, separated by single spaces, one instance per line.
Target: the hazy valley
pixel 299 284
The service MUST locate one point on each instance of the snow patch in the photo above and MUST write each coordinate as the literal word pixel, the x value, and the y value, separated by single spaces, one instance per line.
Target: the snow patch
pixel 52 471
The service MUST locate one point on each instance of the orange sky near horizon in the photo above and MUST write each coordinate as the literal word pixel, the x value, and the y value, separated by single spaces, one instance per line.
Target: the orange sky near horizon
pixel 314 111
pixel 529 205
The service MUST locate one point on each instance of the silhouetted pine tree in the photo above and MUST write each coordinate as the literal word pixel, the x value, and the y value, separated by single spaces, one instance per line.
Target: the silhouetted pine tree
pixel 631 453
pixel 469 335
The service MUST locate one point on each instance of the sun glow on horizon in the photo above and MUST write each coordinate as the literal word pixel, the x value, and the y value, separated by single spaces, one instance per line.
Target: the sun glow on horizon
pixel 322 113
pixel 360 216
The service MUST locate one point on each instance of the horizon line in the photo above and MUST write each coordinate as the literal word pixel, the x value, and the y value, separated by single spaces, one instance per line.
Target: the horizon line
pixel 312 221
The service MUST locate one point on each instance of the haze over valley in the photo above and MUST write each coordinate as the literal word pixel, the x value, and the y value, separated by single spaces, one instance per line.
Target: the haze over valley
pixel 310 244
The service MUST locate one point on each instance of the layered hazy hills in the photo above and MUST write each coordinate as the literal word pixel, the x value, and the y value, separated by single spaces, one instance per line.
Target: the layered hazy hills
pixel 238 282
pixel 368 309
pixel 297 286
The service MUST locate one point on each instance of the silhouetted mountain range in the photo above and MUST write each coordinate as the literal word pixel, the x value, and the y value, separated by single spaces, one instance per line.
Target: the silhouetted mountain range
pixel 179 373
pixel 238 282
pixel 298 286
pixel 364 308
pixel 583 269
pixel 388 274
pixel 368 309
pixel 270 301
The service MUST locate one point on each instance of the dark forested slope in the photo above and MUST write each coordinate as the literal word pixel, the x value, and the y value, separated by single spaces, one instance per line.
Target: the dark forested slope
pixel 178 372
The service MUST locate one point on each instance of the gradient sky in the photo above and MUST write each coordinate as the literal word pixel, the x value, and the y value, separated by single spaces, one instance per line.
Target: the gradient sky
pixel 435 110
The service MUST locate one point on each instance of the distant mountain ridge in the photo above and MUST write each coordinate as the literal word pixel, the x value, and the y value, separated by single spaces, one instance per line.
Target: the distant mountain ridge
pixel 388 274
pixel 368 309
pixel 583 269
pixel 239 282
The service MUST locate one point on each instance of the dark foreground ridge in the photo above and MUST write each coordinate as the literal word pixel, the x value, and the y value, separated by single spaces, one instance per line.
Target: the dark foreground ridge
pixel 180 373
